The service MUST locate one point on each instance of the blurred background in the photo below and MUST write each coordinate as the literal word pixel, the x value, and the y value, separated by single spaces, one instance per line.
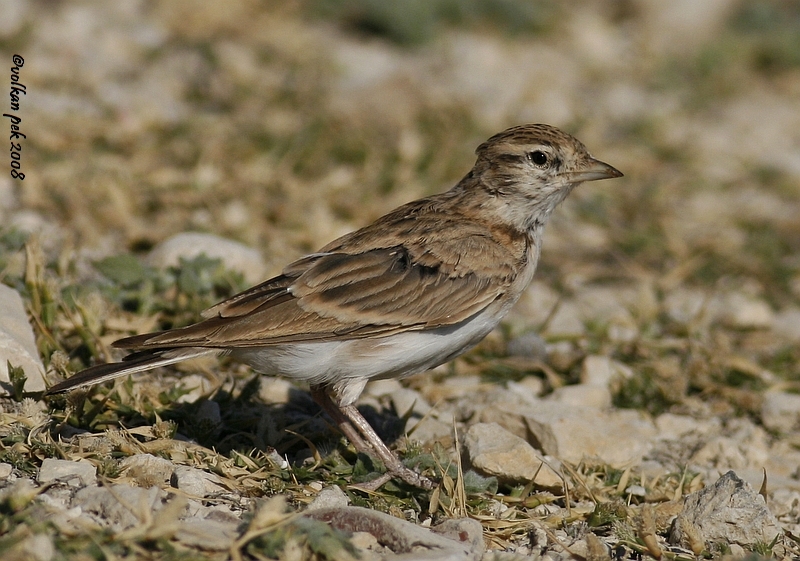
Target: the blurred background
pixel 285 124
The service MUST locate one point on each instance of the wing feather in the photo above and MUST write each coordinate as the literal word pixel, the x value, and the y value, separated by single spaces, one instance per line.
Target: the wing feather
pixel 374 282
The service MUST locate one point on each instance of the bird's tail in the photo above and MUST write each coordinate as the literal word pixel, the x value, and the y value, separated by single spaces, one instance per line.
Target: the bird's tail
pixel 131 364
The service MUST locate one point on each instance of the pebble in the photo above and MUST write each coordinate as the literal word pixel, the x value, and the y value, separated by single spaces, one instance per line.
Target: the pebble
pixel 582 395
pixel 38 547
pixel 234 255
pixel 603 371
pixel 330 497
pixel 112 505
pixel 204 533
pixel 729 511
pixel 780 411
pixel 407 401
pixel 746 312
pixel 147 470
pixel 495 451
pixel 195 482
pixel 73 473
pixel 5 470
pixel 787 324
pixel 573 433
pixel 197 386
pixel 275 390
pixel 17 343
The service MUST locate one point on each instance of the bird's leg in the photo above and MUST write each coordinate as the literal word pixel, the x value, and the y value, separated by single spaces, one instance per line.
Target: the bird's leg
pixel 320 395
pixel 351 423
pixel 393 464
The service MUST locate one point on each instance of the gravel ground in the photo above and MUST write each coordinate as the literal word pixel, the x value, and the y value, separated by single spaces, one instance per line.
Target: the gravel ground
pixel 657 350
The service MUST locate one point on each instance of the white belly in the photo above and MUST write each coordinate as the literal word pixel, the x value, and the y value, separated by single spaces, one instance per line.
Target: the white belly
pixel 394 356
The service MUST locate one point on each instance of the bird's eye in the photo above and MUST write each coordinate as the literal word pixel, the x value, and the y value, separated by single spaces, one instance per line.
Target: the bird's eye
pixel 538 157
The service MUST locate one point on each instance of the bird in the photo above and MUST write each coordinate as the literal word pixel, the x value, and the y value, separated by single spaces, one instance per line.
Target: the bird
pixel 413 290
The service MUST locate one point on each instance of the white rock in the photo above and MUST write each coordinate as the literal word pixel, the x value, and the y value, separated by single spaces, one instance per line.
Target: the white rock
pixel 583 395
pixel 570 433
pixel 198 386
pixel 5 470
pixel 495 451
pixel 147 470
pixel 275 390
pixel 208 534
pixel 746 312
pixel 112 506
pixel 602 371
pixel 787 324
pixel 729 511
pixel 407 401
pixel 780 412
pixel 330 497
pixel 76 474
pixel 39 547
pixel 234 255
pixel 379 388
pixel 195 481
pixel 17 343
pixel 429 429
pixel 671 426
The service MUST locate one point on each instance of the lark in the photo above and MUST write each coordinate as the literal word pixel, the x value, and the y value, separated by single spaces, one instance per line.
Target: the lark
pixel 413 290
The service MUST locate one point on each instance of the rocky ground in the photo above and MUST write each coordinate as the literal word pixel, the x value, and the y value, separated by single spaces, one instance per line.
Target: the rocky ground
pixel 644 390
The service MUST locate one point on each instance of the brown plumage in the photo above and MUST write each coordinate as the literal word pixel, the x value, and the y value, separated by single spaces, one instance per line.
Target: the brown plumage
pixel 412 290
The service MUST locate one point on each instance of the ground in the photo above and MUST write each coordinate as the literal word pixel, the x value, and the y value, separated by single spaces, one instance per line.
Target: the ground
pixel 663 322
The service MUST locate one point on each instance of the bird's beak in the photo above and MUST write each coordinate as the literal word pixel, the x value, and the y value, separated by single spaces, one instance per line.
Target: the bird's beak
pixel 592 171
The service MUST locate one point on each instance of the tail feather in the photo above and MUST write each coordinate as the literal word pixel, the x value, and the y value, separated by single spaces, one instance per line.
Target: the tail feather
pixel 136 362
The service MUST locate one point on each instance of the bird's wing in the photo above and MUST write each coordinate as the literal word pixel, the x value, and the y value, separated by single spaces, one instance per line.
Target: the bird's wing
pixel 350 290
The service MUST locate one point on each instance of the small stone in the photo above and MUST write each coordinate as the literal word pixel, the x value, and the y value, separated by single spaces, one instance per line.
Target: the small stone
pixel 407 401
pixel 275 390
pixel 76 474
pixel 671 426
pixel 529 345
pixel 234 255
pixel 729 511
pixel 206 533
pixel 379 388
pixel 636 490
pixel 17 344
pixel 5 470
pixel 787 324
pixel 195 482
pixel 147 470
pixel 197 386
pixel 329 497
pixel 604 372
pixel 619 438
pixel 582 395
pixel 38 547
pixel 780 412
pixel 429 429
pixel 112 506
pixel 495 451
pixel 746 312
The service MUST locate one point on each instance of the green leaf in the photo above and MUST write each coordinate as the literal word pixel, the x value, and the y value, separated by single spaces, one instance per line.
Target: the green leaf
pixel 125 270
